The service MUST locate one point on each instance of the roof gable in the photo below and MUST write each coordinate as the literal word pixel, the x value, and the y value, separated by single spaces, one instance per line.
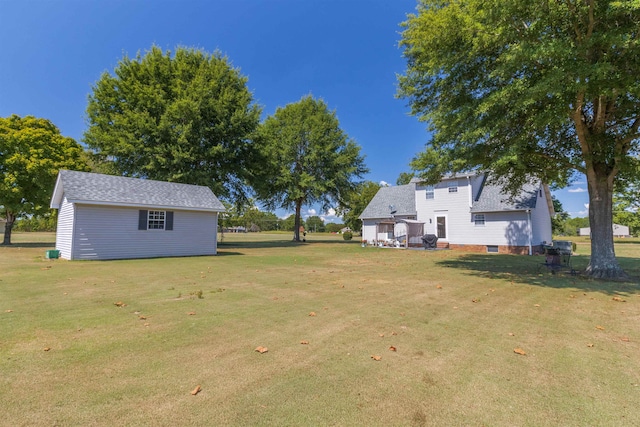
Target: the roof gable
pixel 401 197
pixel 100 189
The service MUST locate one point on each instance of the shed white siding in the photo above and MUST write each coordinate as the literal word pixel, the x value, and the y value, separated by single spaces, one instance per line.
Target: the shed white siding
pixel 107 232
pixel 64 229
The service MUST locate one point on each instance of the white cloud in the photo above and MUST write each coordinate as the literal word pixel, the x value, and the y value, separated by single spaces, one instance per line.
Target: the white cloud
pixel 330 216
pixel 312 212
pixel 384 183
pixel 577 190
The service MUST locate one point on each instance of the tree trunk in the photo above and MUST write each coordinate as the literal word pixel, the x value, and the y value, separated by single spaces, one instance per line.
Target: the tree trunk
pixel 11 218
pixel 296 226
pixel 603 264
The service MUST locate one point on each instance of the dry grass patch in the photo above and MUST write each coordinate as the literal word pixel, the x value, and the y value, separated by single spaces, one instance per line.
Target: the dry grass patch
pixel 453 319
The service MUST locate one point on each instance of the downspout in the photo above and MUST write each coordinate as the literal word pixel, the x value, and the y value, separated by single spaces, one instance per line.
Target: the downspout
pixel 470 191
pixel 530 231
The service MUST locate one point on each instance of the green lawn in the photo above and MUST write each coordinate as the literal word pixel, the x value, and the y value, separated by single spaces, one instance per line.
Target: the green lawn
pixel 126 342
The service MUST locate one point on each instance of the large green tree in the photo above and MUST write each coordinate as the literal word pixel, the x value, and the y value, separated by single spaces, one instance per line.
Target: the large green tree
pixel 315 224
pixel 181 117
pixel 530 89
pixel 32 151
pixel 306 158
pixel 355 202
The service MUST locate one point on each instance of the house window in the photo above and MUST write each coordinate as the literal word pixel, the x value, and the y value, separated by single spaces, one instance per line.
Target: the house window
pixel 155 220
pixel 429 191
pixel 492 249
pixel 478 219
pixel 453 186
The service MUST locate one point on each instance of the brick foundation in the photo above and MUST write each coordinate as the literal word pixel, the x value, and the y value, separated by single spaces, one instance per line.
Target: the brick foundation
pixel 502 249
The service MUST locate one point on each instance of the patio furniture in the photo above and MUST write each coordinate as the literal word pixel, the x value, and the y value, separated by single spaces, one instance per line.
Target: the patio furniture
pixel 558 256
pixel 430 241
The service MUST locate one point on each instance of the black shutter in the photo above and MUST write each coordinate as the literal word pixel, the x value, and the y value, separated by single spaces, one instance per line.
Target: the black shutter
pixel 142 220
pixel 168 221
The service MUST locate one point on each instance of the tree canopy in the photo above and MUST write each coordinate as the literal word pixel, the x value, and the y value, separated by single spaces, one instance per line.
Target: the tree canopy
pixel 179 117
pixel 305 158
pixel 315 224
pixel 355 202
pixel 530 89
pixel 32 151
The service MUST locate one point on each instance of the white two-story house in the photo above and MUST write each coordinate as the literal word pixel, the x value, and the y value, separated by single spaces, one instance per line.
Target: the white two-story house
pixel 464 212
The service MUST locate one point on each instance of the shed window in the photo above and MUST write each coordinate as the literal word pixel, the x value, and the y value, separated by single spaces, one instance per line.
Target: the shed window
pixel 155 220
pixel 429 191
pixel 453 186
pixel 478 219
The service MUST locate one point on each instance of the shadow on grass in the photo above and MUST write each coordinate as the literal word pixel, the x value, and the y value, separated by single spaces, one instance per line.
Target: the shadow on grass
pixel 530 270
pixel 277 244
pixel 35 245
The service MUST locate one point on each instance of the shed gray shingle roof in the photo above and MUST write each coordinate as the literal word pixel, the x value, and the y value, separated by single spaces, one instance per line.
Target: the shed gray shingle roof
pixel 94 188
pixel 402 197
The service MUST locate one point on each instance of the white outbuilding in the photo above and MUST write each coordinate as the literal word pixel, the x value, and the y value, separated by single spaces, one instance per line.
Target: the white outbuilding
pixel 113 217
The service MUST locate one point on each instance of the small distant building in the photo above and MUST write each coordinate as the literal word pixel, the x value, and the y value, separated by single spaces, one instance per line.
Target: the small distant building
pixel 618 231
pixel 115 217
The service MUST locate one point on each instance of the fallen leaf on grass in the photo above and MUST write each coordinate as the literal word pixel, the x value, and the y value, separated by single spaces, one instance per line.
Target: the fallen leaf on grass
pixel 625 339
pixel 600 327
pixel 260 349
pixel 511 334
pixel 392 348
pixel 618 299
pixel 439 286
pixel 312 314
pixel 536 305
pixel 475 300
pixel 196 390
pixel 119 304
pixel 141 317
pixel 376 358
pixel 8 311
pixel 47 348
pixel 191 313
pixel 305 342
pixel 590 345
pixel 519 351
pixel 381 335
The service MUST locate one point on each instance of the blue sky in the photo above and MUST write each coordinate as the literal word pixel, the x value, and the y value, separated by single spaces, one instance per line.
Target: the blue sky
pixel 343 51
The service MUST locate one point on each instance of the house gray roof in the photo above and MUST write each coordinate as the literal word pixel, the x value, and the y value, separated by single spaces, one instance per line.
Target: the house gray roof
pixel 401 197
pixel 492 198
pixel 99 189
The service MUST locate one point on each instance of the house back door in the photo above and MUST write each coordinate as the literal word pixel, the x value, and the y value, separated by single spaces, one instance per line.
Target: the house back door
pixel 441 227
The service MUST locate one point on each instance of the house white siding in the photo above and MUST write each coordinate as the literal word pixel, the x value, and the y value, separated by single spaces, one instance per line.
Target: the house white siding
pixel 369 230
pixel 470 212
pixel 106 232
pixel 64 229
pixel 454 207
pixel 541 220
